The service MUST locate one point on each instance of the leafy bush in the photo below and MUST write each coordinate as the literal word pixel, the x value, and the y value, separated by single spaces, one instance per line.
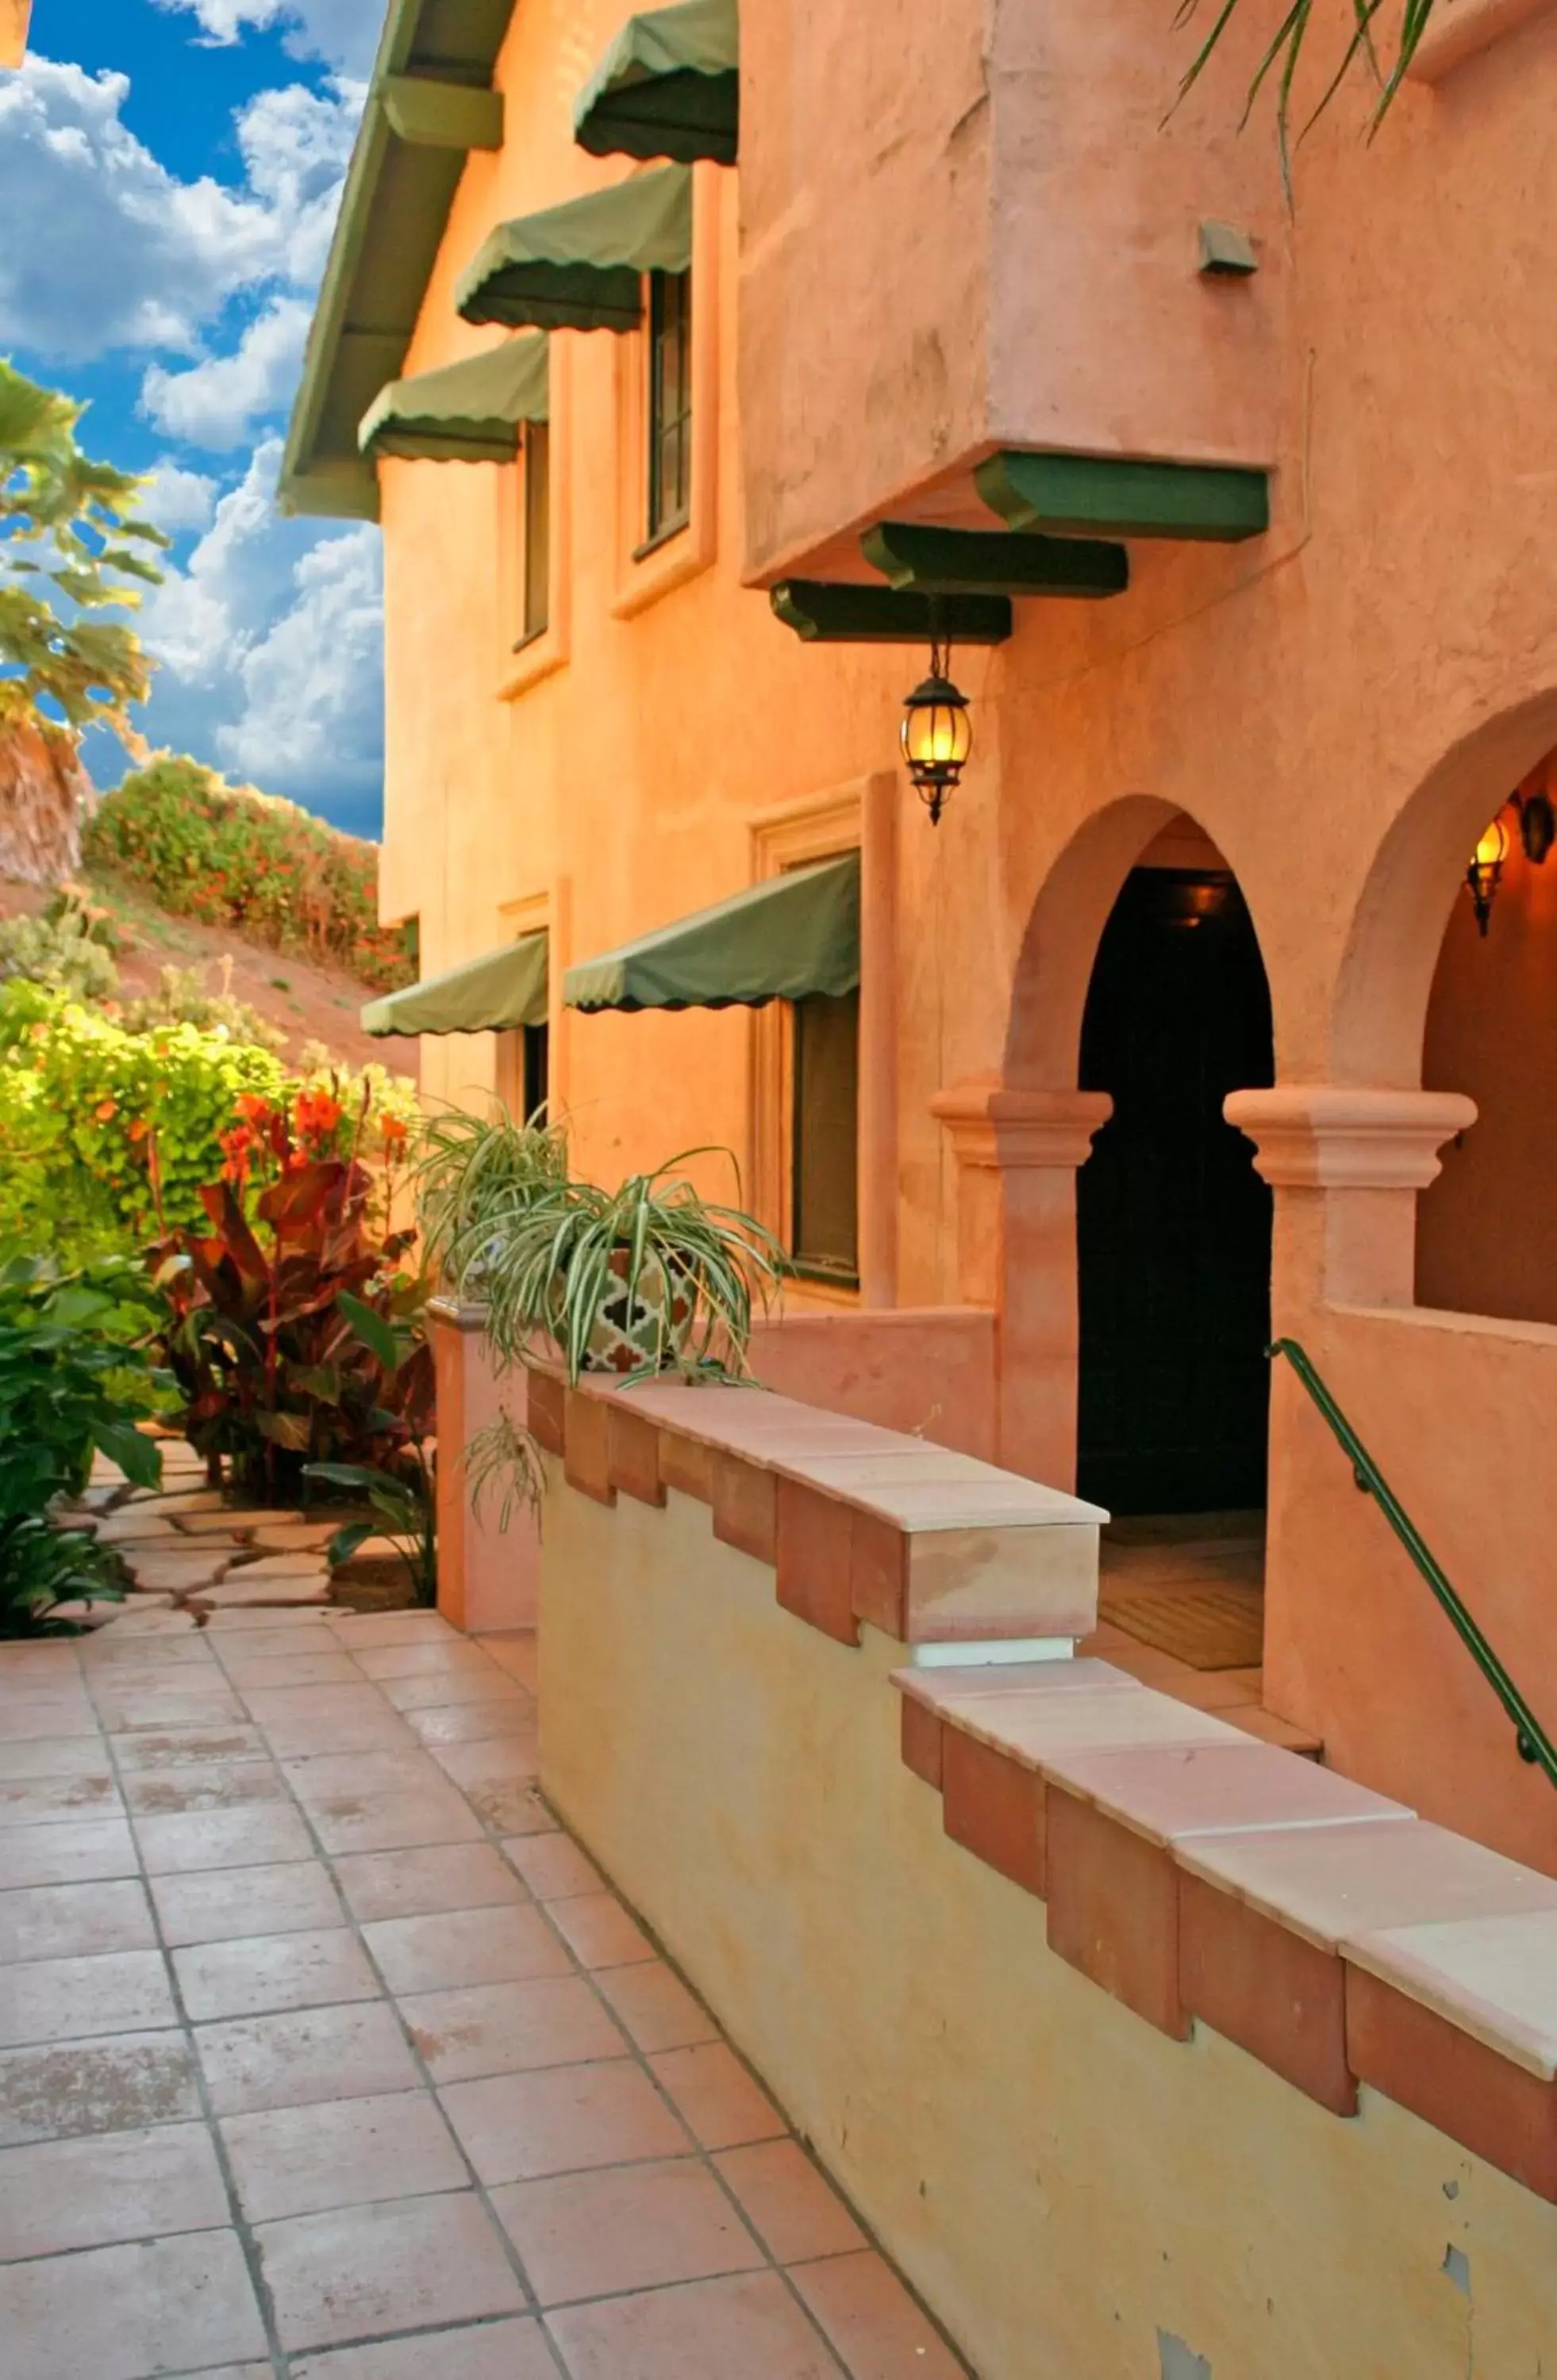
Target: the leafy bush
pixel 186 996
pixel 295 1332
pixel 231 856
pixel 59 952
pixel 75 1372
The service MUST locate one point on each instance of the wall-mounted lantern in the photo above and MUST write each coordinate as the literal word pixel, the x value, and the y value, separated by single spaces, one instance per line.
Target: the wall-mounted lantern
pixel 1485 872
pixel 1538 825
pixel 937 734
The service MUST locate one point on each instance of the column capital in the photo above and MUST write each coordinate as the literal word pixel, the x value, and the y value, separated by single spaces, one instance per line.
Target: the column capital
pixel 1336 1137
pixel 990 1125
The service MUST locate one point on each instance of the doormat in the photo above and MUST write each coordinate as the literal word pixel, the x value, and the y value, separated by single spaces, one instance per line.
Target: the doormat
pixel 1209 1627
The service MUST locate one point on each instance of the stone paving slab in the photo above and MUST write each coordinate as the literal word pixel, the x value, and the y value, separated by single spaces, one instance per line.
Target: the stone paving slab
pixel 325 2053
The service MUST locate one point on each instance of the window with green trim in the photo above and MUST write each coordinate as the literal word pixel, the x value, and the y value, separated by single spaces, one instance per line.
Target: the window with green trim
pixel 670 402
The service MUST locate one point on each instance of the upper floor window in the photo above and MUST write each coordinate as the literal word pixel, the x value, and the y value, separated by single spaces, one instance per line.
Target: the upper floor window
pixel 536 614
pixel 670 402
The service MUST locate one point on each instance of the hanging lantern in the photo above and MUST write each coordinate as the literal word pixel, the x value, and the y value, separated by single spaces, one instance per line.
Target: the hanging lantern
pixel 937 734
pixel 1485 872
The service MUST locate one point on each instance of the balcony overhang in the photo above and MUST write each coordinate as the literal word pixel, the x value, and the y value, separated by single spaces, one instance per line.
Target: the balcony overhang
pixel 1105 495
pixel 946 562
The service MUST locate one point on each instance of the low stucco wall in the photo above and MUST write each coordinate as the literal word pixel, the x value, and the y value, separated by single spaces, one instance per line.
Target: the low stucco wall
pixel 1076 2196
pixel 926 1371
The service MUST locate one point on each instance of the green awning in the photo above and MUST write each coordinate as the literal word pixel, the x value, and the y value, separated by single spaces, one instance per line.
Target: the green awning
pixel 784 940
pixel 581 267
pixel 669 86
pixel 491 994
pixel 466 412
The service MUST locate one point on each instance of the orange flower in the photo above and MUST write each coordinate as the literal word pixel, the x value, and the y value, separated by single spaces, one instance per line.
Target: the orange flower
pixel 315 1115
pixel 139 1128
pixel 105 1109
pixel 395 1130
pixel 253 1106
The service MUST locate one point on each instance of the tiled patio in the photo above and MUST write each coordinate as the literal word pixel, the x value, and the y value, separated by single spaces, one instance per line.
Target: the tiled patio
pixel 323 2053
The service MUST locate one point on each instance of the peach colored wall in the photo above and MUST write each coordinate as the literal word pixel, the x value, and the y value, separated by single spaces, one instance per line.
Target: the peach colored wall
pixel 930 1374
pixel 489 1577
pixel 959 224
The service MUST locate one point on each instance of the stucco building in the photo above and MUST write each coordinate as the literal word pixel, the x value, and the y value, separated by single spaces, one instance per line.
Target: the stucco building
pixel 700 374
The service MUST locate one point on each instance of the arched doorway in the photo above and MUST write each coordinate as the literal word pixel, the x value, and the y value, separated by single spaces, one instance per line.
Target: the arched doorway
pixel 1172 1223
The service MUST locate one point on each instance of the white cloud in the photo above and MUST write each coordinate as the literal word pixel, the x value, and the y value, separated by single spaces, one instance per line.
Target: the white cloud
pixel 344 33
pixel 215 404
pixel 178 500
pixel 133 257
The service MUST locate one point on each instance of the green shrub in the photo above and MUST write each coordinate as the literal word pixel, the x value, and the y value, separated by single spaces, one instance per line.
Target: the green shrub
pixel 59 952
pixel 186 996
pixel 231 856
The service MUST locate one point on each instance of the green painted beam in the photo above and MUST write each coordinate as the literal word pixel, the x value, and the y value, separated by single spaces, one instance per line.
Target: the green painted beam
pixel 432 114
pixel 1071 495
pixel 993 562
pixel 823 613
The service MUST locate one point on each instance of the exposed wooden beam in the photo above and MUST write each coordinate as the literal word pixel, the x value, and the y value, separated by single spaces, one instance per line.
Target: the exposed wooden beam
pixel 429 113
pixel 823 613
pixel 1097 494
pixel 993 562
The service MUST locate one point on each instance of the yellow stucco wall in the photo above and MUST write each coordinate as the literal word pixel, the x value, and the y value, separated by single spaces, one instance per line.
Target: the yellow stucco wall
pixel 1066 2186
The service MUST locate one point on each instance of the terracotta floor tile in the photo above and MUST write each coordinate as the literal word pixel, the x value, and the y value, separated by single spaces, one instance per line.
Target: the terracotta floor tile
pixel 55 2088
pixel 350 1718
pixel 67 1854
pixel 472 1722
pixel 748 2328
pixel 514 1807
pixel 25 1718
pixel 179 1747
pixel 130 1713
pixel 268 1666
pixel 41 1758
pixel 439 1688
pixel 87 1792
pixel 444 1657
pixel 368 1631
pixel 465 1946
pixel 124 2313
pixel 90 2191
pixel 598 1930
pixel 417 1883
pixel 260 1834
pixel 350 2052
pixel 60 1999
pixel 553 1866
pixel 74 1921
pixel 402 2265
pixel 517 1651
pixel 370 1822
pixel 520 2126
pixel 794 2209
pixel 510 2028
pixel 204 1785
pixel 248 1623
pixel 321 1778
pixel 512 1760
pixel 872 2321
pixel 341 2152
pixel 655 2006
pixel 488 2351
pixel 254 1974
pixel 588 2235
pixel 221 1904
pixel 717 2097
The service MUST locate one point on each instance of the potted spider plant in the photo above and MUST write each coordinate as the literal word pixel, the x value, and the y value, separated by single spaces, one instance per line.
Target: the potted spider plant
pixel 468 1168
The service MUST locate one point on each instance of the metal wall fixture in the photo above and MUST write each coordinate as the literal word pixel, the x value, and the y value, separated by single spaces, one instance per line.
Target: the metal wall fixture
pixel 1485 872
pixel 937 733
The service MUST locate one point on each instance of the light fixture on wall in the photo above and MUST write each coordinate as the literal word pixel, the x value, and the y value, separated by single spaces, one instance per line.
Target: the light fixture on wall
pixel 1485 872
pixel 937 734
pixel 1538 825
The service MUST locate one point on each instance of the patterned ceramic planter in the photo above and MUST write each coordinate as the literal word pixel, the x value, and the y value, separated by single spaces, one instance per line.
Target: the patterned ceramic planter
pixel 644 1331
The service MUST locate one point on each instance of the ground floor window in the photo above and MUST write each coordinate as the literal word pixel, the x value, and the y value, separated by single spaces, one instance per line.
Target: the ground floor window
pixel 523 1073
pixel 824 1137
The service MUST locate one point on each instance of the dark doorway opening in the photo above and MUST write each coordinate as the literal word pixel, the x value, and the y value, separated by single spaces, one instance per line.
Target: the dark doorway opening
pixel 1172 1223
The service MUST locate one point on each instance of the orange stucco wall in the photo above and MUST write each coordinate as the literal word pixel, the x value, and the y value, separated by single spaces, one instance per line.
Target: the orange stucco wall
pixel 955 226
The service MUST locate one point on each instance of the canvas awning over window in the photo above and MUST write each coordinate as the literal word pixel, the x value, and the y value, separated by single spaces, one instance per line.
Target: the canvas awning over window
pixel 669 86
pixel 491 994
pixel 787 939
pixel 580 266
pixel 468 412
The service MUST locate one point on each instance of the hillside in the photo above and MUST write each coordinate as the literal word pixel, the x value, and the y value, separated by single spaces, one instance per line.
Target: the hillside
pixel 305 1001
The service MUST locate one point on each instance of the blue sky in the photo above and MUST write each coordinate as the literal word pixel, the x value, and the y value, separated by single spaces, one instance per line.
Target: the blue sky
pixel 175 167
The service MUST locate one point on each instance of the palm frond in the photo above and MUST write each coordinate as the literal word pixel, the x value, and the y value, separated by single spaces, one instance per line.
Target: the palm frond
pixel 1284 53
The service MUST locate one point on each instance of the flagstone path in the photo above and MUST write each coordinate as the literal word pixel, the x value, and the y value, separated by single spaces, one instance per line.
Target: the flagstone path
pixel 327 2055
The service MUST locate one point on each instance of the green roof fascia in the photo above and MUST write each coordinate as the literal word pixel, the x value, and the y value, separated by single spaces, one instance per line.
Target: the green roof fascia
pixel 669 86
pixel 1109 496
pixel 791 937
pixel 993 562
pixel 579 266
pixel 394 213
pixel 468 412
pixel 823 612
pixel 493 994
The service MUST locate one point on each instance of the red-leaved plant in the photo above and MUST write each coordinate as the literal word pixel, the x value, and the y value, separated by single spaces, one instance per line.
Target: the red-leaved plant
pixel 295 1324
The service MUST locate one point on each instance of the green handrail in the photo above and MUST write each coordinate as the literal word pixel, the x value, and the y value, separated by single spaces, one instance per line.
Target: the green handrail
pixel 1535 1744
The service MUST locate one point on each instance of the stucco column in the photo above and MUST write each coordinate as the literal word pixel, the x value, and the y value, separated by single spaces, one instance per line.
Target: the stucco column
pixel 1346 1165
pixel 1017 1153
pixel 488 1577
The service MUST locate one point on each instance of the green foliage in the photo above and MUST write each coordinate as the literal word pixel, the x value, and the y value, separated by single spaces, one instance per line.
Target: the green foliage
pixel 186 996
pixel 70 529
pixel 405 1508
pixel 60 952
pixel 86 1107
pixel 551 1255
pixel 75 1372
pixel 469 1166
pixel 230 855
pixel 294 1333
pixel 1286 50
